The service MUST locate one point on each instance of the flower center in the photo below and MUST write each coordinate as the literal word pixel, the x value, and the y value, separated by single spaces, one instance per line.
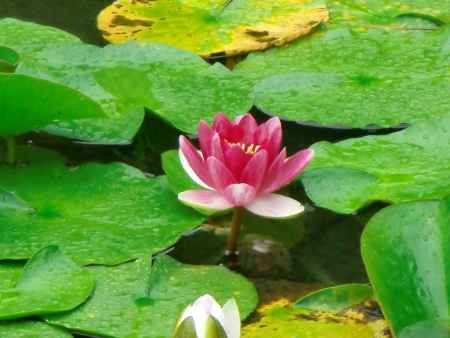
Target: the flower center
pixel 247 148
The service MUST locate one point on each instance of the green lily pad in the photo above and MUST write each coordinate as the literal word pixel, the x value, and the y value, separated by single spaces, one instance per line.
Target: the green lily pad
pixel 49 283
pixel 8 60
pixel 26 38
pixel 31 329
pixel 178 86
pixel 11 201
pixel 126 304
pixel 212 28
pixel 96 213
pixel 336 298
pixel 394 77
pixel 362 14
pixel 432 328
pixel 405 249
pixel 409 165
pixel 45 103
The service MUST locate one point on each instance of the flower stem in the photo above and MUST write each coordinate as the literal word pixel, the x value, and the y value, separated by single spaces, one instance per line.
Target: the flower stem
pixel 10 149
pixel 235 231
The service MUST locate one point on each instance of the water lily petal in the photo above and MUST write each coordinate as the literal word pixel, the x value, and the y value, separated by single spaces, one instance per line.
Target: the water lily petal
pixel 275 206
pixel 205 134
pixel 192 174
pixel 216 147
pixel 206 201
pixel 240 194
pixel 293 166
pixel 232 319
pixel 248 125
pixel 220 175
pixel 270 179
pixel 275 135
pixel 255 169
pixel 236 159
pixel 230 131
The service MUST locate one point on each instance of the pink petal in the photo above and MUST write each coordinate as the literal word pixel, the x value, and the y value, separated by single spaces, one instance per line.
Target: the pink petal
pixel 188 169
pixel 248 125
pixel 236 159
pixel 270 179
pixel 255 169
pixel 206 201
pixel 222 124
pixel 194 159
pixel 275 206
pixel 240 194
pixel 205 135
pixel 220 175
pixel 292 167
pixel 216 147
pixel 275 135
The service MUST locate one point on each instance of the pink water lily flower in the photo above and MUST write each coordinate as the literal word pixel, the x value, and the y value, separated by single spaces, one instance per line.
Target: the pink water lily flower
pixel 241 164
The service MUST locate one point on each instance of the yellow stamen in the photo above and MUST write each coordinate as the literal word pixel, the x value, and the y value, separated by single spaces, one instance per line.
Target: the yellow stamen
pixel 247 148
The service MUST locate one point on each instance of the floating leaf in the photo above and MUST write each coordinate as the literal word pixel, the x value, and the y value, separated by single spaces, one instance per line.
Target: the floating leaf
pixel 119 309
pixel 212 28
pixel 178 86
pixel 11 201
pixel 49 283
pixel 433 328
pixel 45 103
pixel 362 14
pixel 336 298
pixel 31 329
pixel 177 177
pixel 26 38
pixel 409 165
pixel 405 249
pixel 340 78
pixel 96 213
pixel 290 322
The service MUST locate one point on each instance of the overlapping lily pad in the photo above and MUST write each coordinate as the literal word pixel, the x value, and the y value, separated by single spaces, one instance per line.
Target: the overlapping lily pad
pixel 96 213
pixel 362 14
pixel 409 165
pixel 287 321
pixel 31 329
pixel 336 298
pixel 341 78
pixel 45 103
pixel 49 283
pixel 178 86
pixel 27 38
pixel 406 251
pixel 212 28
pixel 126 304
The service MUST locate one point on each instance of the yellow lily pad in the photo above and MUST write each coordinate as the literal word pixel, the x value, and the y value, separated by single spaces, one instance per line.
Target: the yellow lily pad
pixel 276 317
pixel 212 28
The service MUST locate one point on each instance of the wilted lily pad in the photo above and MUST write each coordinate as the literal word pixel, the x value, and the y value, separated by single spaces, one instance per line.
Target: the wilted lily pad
pixel 96 213
pixel 409 165
pixel 31 329
pixel 45 103
pixel 212 28
pixel 131 302
pixel 406 251
pixel 339 78
pixel 49 283
pixel 290 322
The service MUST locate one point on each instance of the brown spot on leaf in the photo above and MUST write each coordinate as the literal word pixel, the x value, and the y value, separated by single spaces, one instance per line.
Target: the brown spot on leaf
pixel 121 20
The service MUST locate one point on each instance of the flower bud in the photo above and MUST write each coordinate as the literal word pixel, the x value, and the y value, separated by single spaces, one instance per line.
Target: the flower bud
pixel 206 319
